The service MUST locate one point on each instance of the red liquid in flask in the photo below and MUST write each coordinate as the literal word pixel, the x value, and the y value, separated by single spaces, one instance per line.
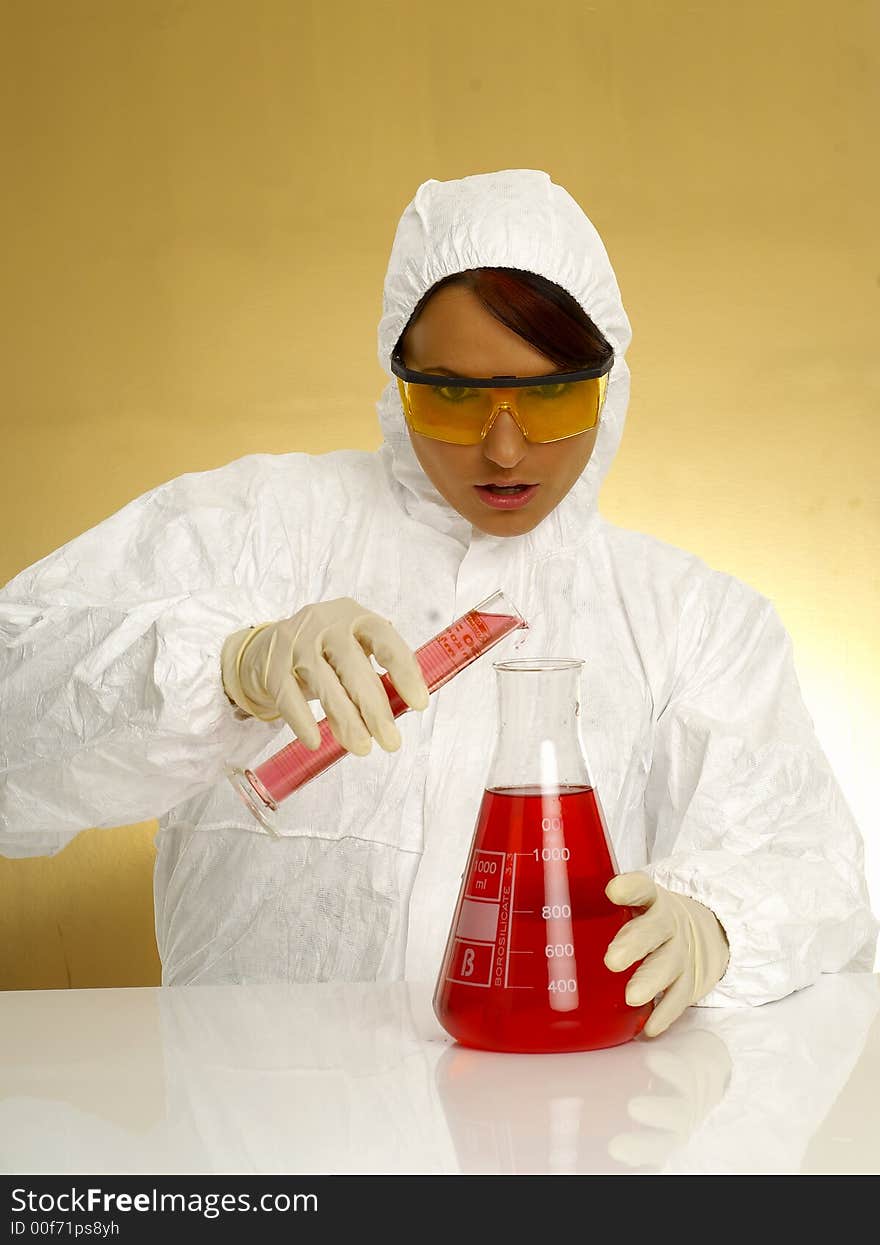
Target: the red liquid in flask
pixel 523 969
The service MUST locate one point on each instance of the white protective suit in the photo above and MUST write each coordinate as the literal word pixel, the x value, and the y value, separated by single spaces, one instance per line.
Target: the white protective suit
pixel 698 739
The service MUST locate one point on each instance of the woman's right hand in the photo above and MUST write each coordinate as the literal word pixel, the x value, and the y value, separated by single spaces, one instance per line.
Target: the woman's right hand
pixel 322 653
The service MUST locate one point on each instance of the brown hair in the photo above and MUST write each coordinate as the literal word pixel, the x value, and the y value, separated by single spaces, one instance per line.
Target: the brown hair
pixel 540 311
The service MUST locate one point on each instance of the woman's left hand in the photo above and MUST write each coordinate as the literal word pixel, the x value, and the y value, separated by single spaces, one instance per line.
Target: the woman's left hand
pixel 681 943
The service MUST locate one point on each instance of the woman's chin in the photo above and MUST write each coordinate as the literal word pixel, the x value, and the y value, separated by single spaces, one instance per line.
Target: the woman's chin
pixel 501 523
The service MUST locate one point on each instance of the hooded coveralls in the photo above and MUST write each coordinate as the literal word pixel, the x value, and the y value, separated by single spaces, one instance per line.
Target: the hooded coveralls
pixel 704 755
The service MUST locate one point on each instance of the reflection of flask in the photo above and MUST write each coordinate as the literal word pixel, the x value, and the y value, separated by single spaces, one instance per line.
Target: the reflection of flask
pixel 511 1115
pixel 524 965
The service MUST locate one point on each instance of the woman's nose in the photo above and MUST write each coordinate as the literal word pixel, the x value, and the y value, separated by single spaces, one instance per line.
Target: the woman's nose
pixel 504 443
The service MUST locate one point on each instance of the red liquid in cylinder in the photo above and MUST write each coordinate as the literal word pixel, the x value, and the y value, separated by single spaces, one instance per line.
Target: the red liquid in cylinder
pixel 523 969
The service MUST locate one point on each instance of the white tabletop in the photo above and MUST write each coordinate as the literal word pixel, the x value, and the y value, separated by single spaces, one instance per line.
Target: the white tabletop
pixel 353 1079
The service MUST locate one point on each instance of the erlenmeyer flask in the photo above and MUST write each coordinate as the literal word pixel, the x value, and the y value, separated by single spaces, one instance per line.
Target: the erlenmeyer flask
pixel 524 964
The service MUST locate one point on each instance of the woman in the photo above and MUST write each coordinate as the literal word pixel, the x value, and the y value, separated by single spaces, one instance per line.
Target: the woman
pixel 726 820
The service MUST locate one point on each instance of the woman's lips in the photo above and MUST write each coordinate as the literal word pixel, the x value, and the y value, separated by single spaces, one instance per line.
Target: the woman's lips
pixel 506 501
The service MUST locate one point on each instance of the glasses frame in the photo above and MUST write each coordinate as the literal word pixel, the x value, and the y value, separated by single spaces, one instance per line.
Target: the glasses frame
pixel 399 368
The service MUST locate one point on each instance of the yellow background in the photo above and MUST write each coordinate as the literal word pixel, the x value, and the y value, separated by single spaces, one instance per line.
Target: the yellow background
pixel 200 201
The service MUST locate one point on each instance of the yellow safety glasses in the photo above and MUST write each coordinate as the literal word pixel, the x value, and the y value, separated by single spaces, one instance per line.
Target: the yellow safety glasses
pixel 461 410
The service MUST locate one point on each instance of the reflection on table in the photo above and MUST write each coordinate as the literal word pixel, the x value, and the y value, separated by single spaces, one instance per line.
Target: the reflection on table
pixel 359 1078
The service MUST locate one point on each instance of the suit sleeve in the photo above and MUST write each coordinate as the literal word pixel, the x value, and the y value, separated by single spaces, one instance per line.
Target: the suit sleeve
pixel 113 708
pixel 748 817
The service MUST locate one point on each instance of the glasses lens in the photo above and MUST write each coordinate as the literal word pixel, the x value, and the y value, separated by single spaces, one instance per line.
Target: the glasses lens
pixel 550 412
pixel 458 415
pixel 449 412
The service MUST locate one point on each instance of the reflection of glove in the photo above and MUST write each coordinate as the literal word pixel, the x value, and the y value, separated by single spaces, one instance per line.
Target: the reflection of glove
pixel 694 1067
pixel 321 653
pixel 683 942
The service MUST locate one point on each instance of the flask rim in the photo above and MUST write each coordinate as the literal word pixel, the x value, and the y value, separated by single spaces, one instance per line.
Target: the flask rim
pixel 539 665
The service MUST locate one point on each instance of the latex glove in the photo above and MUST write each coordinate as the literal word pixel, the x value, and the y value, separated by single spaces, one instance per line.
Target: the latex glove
pixel 322 653
pixel 681 942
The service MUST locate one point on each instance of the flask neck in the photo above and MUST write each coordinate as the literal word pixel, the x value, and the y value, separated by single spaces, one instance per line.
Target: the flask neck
pixel 538 743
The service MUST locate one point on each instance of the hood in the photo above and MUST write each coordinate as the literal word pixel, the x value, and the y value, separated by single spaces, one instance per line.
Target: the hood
pixel 516 218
